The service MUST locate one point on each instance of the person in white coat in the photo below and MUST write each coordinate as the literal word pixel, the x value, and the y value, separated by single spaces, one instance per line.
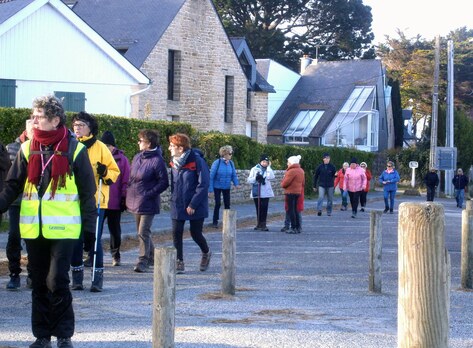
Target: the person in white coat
pixel 260 177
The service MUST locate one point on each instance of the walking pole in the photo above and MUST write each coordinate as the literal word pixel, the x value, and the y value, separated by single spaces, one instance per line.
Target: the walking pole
pixel 259 203
pixel 99 191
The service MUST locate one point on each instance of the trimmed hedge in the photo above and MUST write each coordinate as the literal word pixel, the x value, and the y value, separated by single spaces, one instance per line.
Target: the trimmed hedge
pixel 246 151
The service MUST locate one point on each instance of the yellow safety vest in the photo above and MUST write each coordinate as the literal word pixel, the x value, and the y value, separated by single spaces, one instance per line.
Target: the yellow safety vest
pixel 58 217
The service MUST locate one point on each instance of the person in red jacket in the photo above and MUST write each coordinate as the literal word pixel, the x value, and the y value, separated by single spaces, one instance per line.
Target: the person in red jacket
pixel 339 179
pixel 293 185
pixel 364 192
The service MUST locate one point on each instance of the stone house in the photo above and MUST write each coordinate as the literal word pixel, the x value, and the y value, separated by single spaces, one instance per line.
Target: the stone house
pixel 196 74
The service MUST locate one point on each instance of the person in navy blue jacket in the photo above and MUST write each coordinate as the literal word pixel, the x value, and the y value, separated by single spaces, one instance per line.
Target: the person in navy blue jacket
pixel 389 179
pixel 222 174
pixel 148 179
pixel 189 197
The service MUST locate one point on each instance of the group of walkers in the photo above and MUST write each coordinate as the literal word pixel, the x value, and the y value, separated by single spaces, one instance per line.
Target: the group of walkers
pixel 63 185
pixel 353 180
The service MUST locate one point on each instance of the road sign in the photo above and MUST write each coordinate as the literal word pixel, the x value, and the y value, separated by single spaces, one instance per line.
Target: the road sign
pixel 413 164
pixel 446 158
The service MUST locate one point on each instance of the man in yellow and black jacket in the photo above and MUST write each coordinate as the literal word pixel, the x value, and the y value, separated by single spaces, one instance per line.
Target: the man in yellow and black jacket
pixel 54 174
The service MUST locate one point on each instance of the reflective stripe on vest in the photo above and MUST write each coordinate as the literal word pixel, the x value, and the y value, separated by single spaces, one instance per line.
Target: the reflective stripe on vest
pixel 60 216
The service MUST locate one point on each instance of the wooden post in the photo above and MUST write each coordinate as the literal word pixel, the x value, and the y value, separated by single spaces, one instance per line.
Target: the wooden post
pixel 228 251
pixel 375 251
pixel 423 301
pixel 467 248
pixel 164 293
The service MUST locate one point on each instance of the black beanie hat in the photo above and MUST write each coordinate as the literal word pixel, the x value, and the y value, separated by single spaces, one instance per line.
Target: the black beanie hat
pixel 264 157
pixel 354 160
pixel 108 138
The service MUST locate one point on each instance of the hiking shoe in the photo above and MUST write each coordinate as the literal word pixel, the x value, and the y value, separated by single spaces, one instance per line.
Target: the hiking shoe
pixel 14 283
pixel 264 228
pixel 140 268
pixel 180 267
pixel 204 262
pixel 64 343
pixel 391 212
pixel 116 262
pixel 362 210
pixel 41 343
pixel 284 229
pixel 385 210
pixel 257 228
pixel 343 208
pixel 214 224
pixel 319 213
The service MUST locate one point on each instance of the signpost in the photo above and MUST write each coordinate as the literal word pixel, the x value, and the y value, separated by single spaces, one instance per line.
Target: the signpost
pixel 413 165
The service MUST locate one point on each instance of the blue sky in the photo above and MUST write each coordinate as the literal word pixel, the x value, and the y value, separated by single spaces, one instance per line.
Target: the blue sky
pixel 424 17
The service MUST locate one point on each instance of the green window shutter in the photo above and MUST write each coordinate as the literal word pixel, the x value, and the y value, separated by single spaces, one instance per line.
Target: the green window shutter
pixel 72 101
pixel 7 93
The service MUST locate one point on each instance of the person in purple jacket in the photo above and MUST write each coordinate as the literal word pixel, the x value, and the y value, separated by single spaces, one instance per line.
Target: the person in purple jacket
pixel 189 190
pixel 148 179
pixel 116 202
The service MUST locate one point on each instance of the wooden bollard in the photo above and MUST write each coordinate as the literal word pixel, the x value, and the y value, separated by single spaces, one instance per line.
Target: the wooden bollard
pixel 423 298
pixel 376 242
pixel 228 251
pixel 467 248
pixel 164 293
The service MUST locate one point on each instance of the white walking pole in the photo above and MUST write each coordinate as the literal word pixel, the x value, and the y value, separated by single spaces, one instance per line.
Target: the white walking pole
pixel 99 192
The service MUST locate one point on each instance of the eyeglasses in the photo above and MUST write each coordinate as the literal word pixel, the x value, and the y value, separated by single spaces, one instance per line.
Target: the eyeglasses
pixel 389 166
pixel 42 117
pixel 79 125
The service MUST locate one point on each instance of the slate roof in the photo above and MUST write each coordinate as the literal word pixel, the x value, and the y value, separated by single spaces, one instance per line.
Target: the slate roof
pixel 10 8
pixel 240 46
pixel 325 86
pixel 135 25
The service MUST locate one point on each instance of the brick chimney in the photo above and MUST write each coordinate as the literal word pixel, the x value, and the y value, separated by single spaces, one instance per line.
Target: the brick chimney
pixel 305 62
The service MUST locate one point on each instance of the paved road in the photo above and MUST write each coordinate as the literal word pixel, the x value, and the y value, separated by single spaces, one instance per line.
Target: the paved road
pixel 308 290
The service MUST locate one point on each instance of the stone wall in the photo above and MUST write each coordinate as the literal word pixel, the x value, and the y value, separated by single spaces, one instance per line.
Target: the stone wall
pixel 242 194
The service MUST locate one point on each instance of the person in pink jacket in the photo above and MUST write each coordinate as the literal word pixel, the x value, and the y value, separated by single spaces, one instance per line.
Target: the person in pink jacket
pixel 354 183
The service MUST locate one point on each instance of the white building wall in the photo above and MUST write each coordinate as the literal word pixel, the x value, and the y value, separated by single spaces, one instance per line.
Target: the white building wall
pixel 45 53
pixel 100 98
pixel 283 80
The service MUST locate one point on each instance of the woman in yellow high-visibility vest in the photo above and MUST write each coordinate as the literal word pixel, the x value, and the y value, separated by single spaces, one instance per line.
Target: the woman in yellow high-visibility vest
pixel 54 173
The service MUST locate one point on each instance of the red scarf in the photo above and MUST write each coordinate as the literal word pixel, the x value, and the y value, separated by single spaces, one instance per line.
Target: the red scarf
pixel 59 159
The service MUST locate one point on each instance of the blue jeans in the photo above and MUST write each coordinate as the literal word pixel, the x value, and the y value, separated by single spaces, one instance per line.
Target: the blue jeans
pixel 320 201
pixel 459 197
pixel 344 198
pixel 389 195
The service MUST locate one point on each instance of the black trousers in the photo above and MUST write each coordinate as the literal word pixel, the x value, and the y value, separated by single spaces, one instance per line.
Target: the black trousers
pixel 261 205
pixel 226 202
pixel 51 311
pixel 292 210
pixel 354 199
pixel 14 248
pixel 196 234
pixel 363 195
pixel 113 222
pixel 430 193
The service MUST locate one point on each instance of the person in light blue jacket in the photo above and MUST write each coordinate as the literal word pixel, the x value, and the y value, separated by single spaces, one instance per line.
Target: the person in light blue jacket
pixel 389 179
pixel 222 174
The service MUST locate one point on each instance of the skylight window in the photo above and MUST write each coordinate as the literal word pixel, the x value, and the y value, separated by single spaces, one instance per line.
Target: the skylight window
pixel 300 128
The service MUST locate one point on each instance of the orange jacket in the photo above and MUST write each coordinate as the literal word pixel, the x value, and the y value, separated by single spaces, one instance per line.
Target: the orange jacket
pixel 294 179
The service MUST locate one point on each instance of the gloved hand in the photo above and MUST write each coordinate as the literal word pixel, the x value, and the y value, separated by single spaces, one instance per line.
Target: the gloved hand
pixel 260 179
pixel 89 241
pixel 101 169
pixel 123 204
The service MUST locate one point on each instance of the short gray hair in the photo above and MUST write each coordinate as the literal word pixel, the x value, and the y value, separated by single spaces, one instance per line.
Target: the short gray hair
pixel 52 107
pixel 225 150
